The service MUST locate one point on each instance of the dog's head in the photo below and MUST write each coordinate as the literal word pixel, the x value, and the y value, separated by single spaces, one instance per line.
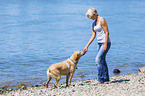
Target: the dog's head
pixel 76 55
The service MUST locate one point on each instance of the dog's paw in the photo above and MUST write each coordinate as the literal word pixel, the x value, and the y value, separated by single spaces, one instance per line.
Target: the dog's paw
pixel 66 86
pixel 46 85
pixel 55 86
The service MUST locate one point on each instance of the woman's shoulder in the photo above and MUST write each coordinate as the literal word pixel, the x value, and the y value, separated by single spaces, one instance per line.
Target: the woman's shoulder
pixel 102 20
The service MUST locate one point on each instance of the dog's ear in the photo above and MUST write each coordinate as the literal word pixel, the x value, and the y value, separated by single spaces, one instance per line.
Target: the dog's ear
pixel 78 54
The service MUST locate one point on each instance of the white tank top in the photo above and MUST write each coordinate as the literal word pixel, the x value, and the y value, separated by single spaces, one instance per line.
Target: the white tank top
pixel 100 32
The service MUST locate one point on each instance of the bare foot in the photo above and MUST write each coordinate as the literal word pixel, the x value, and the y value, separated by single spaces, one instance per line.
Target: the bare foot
pixel 100 82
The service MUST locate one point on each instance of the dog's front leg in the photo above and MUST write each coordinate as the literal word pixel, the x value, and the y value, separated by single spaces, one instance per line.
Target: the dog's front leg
pixel 67 77
pixel 71 75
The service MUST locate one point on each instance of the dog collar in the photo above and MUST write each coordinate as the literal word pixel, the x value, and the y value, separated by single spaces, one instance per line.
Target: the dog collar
pixel 72 61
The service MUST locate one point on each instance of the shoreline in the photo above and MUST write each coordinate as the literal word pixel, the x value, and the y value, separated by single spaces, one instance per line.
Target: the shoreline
pixel 125 85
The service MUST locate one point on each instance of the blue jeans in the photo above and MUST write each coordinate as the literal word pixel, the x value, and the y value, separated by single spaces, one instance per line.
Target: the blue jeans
pixel 103 74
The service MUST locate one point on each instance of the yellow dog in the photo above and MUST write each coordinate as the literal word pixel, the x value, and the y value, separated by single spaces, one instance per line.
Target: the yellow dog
pixel 66 67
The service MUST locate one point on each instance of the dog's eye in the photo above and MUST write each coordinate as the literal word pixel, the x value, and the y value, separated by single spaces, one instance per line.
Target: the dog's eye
pixel 78 54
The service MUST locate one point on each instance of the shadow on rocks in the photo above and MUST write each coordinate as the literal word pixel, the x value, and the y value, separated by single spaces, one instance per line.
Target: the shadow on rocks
pixel 119 81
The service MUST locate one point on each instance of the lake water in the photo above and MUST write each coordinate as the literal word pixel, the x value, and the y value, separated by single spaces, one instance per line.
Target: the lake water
pixel 37 33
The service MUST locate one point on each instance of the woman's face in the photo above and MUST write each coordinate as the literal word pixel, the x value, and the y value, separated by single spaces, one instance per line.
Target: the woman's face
pixel 94 17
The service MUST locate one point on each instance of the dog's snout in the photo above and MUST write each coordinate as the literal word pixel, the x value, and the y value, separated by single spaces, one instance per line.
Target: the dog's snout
pixel 82 53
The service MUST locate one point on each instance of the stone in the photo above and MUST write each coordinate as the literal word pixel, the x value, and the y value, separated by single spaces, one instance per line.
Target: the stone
pixel 1 91
pixel 73 90
pixel 22 86
pixel 142 70
pixel 87 81
pixel 5 88
pixel 82 76
pixel 116 71
pixel 10 89
pixel 81 84
pixel 37 85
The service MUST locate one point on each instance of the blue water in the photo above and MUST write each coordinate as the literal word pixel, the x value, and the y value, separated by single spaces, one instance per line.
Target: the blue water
pixel 37 33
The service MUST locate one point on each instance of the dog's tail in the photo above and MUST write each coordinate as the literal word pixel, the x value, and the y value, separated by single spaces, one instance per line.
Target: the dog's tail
pixel 51 73
pixel 48 72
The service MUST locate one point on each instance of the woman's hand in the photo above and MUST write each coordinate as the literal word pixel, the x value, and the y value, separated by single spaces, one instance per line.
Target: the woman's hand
pixel 85 50
pixel 104 48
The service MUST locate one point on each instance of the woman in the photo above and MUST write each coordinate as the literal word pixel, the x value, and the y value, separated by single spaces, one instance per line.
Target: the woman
pixel 100 28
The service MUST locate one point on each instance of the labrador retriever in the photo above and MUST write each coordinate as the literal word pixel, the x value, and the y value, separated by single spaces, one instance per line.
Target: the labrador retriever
pixel 66 67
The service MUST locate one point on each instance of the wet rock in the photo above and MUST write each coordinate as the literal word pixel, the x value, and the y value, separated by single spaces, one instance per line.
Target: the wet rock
pixel 116 71
pixel 8 90
pixel 82 76
pixel 22 86
pixel 37 85
pixel 73 85
pixel 87 81
pixel 81 84
pixel 142 70
pixel 5 88
pixel 73 90
pixel 1 91
pixel 32 86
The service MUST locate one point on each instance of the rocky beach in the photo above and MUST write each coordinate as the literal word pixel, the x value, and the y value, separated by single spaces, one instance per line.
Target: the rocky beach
pixel 122 85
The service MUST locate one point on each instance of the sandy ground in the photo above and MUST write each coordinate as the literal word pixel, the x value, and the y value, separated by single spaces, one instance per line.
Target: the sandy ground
pixel 123 85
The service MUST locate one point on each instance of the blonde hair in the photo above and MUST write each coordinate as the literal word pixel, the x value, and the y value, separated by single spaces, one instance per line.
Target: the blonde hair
pixel 90 12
